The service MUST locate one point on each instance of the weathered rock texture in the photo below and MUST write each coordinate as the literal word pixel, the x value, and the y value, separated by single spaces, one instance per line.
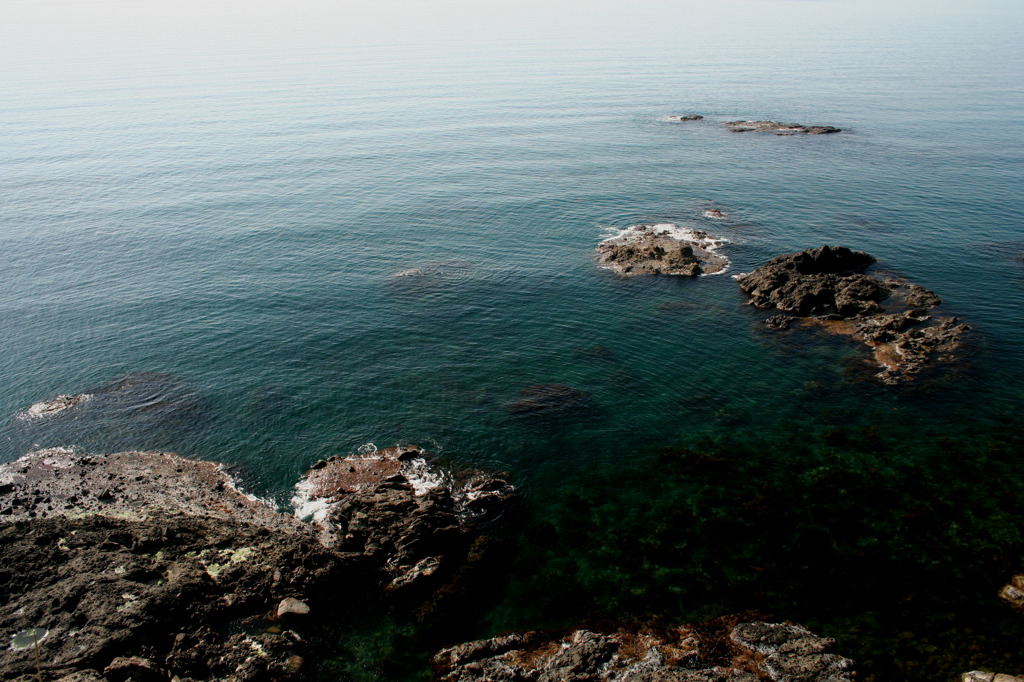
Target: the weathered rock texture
pixel 147 565
pixel 828 286
pixel 980 676
pixel 1013 593
pixel 403 515
pixel 747 652
pixel 778 128
pixel 662 249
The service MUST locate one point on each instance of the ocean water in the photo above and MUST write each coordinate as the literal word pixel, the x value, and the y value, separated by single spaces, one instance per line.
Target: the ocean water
pixel 268 236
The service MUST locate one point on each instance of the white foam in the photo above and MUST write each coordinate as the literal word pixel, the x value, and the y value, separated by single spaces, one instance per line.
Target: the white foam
pixel 698 239
pixel 421 477
pixel 309 507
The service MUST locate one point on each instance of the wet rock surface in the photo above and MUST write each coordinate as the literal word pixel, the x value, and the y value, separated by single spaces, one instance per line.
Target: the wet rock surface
pixel 717 651
pixel 686 117
pixel 778 128
pixel 981 676
pixel 149 566
pixel 662 249
pixel 402 515
pixel 828 286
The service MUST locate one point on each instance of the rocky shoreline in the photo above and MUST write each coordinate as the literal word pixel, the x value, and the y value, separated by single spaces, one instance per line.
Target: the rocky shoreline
pixel 149 566
pixel 828 287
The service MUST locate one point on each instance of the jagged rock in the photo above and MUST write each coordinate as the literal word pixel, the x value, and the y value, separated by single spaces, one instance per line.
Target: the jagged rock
pixel 821 281
pixel 753 651
pixel 402 514
pixel 778 128
pixel 662 249
pixel 686 117
pixel 828 285
pixel 149 574
pixel 1013 593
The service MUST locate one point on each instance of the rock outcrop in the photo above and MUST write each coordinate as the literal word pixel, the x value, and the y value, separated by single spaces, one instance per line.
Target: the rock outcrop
pixel 1013 593
pixel 778 128
pixel 151 566
pixel 403 515
pixel 827 286
pixel 662 249
pixel 686 117
pixel 746 652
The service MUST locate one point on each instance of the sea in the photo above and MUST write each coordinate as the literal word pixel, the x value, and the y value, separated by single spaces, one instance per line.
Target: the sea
pixel 266 233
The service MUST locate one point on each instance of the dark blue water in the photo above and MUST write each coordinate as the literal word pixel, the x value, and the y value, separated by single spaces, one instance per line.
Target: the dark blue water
pixel 220 204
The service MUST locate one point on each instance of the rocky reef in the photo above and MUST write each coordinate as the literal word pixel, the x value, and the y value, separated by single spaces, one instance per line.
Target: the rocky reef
pixel 827 286
pixel 686 117
pixel 662 249
pixel 778 128
pixel 149 566
pixel 721 650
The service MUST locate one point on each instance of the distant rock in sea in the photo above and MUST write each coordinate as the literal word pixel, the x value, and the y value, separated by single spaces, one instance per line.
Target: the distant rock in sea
pixel 662 249
pixel 48 408
pixel 719 651
pixel 778 128
pixel 686 117
pixel 827 286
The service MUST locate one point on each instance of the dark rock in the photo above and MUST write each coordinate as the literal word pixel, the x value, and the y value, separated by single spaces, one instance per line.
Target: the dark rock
pixel 829 284
pixel 778 128
pixel 686 117
pixel 403 515
pixel 753 651
pixel 662 249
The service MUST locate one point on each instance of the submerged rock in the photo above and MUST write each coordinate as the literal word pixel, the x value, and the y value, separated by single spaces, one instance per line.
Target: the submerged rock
pixel 686 117
pixel 747 652
pixel 778 128
pixel 981 676
pixel 827 286
pixel 662 249
pixel 551 401
pixel 48 408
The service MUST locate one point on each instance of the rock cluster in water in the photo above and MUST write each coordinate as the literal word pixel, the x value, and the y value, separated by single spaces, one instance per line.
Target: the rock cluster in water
pixel 686 117
pixel 828 286
pixel 746 652
pixel 778 128
pixel 662 249
pixel 130 566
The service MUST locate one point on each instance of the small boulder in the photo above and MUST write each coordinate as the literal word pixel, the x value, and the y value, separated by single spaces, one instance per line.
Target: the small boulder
pixel 291 606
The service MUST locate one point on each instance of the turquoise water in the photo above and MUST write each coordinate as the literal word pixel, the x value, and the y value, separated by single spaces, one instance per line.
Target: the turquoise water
pixel 224 204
